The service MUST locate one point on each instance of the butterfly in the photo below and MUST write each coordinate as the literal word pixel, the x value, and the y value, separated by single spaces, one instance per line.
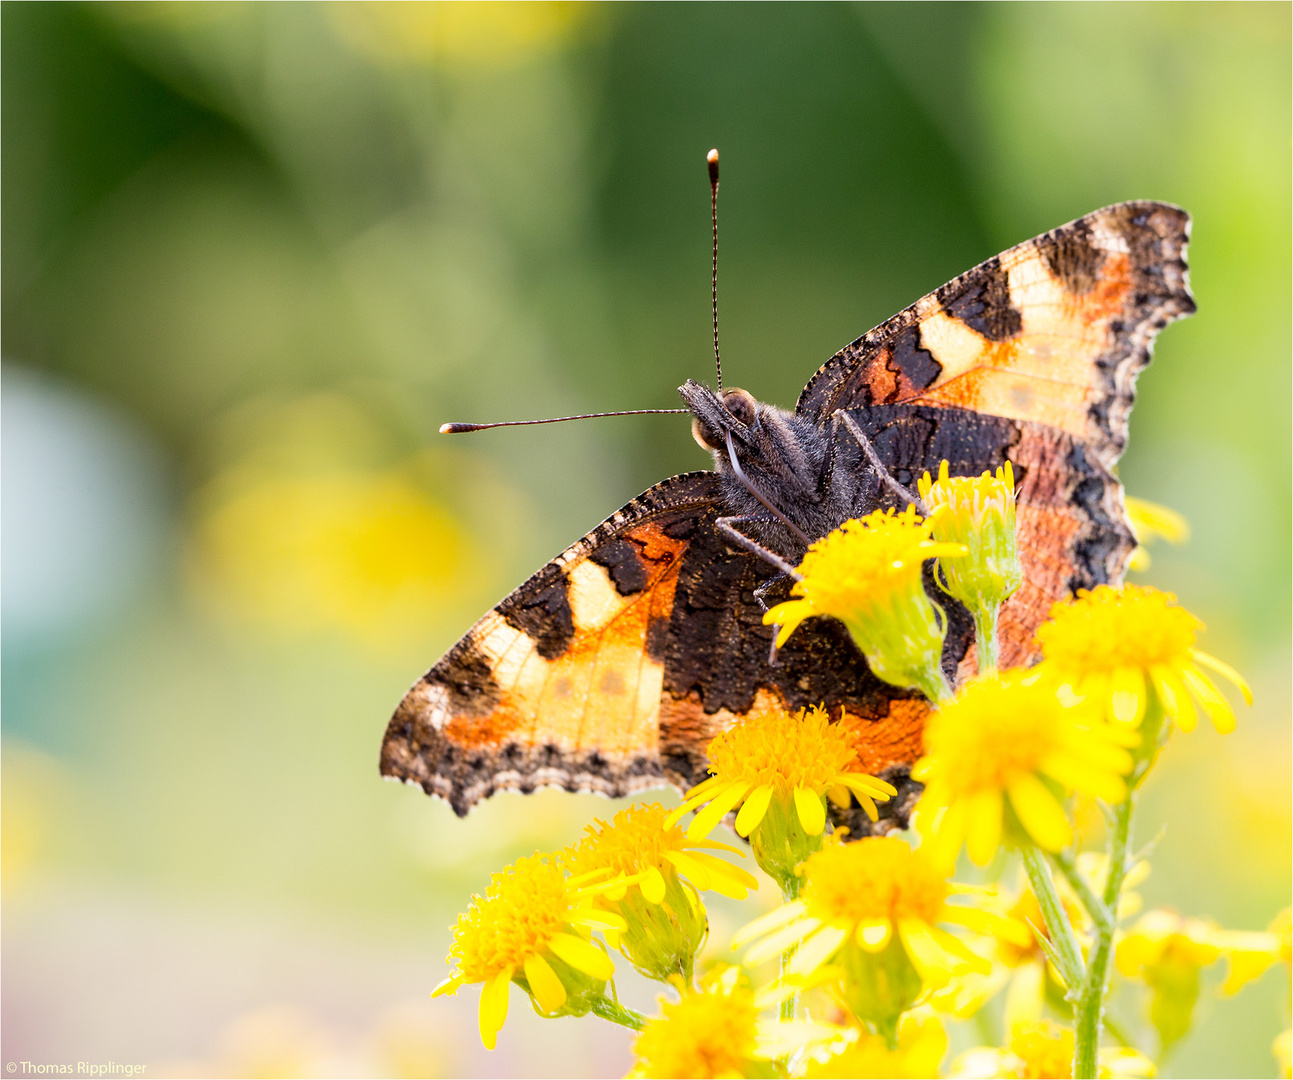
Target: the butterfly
pixel 612 667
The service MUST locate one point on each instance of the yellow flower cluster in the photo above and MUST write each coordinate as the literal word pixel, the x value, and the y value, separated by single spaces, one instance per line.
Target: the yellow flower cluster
pixel 874 924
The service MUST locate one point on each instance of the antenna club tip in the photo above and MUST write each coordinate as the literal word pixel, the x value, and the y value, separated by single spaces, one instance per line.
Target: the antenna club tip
pixel 712 160
pixel 454 429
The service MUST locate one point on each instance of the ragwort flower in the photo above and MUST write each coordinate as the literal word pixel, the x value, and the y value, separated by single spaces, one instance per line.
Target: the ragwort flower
pixel 1042 1050
pixel 867 574
pixel 1019 960
pixel 997 753
pixel 1167 952
pixel 868 924
pixel 665 921
pixel 1110 643
pixel 779 769
pixel 715 1031
pixel 532 927
pixel 977 513
pixel 920 1048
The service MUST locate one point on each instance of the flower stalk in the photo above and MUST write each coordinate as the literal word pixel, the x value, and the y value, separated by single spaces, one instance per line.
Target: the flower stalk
pixel 1089 1008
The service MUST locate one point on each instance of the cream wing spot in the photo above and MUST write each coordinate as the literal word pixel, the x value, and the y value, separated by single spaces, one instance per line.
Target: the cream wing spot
pixel 955 346
pixel 593 599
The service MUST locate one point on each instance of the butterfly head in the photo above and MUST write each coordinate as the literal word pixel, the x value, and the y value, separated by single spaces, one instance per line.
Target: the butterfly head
pixel 715 414
pixel 783 453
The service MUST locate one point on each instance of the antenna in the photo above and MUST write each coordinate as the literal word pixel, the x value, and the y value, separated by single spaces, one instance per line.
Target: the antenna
pixel 712 160
pixel 458 429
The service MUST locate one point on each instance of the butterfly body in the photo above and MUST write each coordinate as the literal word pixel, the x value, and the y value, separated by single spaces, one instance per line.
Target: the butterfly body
pixel 612 667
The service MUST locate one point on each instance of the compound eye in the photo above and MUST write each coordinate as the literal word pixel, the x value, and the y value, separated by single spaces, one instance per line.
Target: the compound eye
pixel 741 406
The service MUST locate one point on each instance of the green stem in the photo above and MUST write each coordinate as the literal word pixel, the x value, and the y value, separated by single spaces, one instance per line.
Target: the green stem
pixel 1095 907
pixel 985 636
pixel 618 1014
pixel 1058 927
pixel 933 684
pixel 1089 1010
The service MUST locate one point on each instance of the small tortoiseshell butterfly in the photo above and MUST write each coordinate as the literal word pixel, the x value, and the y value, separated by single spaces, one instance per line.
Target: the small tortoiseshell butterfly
pixel 612 667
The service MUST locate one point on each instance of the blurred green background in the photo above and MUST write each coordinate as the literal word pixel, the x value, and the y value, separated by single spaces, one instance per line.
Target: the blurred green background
pixel 254 254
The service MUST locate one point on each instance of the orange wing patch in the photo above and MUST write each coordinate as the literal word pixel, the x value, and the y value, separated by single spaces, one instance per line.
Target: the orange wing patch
pixel 603 690
pixel 1046 372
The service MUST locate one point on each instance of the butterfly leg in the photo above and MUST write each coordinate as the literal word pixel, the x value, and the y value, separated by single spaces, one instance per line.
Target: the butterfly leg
pixel 726 527
pixel 881 469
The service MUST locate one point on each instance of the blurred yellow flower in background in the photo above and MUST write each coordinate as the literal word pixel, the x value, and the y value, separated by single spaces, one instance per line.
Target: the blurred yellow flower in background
pixel 709 1032
pixel 476 33
pixel 1150 521
pixel 309 528
pixel 1043 1050
pixel 920 1048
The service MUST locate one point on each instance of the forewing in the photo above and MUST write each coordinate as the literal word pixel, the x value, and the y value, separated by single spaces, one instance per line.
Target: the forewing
pixel 561 683
pixel 1053 331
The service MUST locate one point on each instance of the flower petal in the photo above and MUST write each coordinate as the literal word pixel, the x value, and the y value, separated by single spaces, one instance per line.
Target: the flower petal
pixel 769 922
pixel 1082 776
pixel 493 1007
pixel 652 885
pixel 448 985
pixel 872 935
pixel 816 950
pixel 983 825
pixel 1039 813
pixel 812 811
pixel 1127 695
pixel 1176 700
pixel 1026 994
pixel 788 616
pixel 869 785
pixel 726 879
pixel 1225 670
pixel 724 801
pixel 777 943
pixel 687 864
pixel 582 955
pixel 1212 700
pixel 935 965
pixel 756 805
pixel 548 989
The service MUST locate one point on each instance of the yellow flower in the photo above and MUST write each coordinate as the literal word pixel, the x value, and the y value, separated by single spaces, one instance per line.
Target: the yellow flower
pixel 977 513
pixel 1044 1051
pixel 1009 738
pixel 867 573
pixel 532 927
pixel 1107 642
pixel 1167 952
pixel 868 921
pixel 1019 962
pixel 1282 1048
pixel 922 1043
pixel 666 922
pixel 1149 521
pixel 711 1032
pixel 778 769
pixel 1250 954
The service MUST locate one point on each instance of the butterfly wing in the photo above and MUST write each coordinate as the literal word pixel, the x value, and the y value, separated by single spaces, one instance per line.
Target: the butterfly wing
pixel 1031 356
pixel 560 684
pixel 1053 331
pixel 612 667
